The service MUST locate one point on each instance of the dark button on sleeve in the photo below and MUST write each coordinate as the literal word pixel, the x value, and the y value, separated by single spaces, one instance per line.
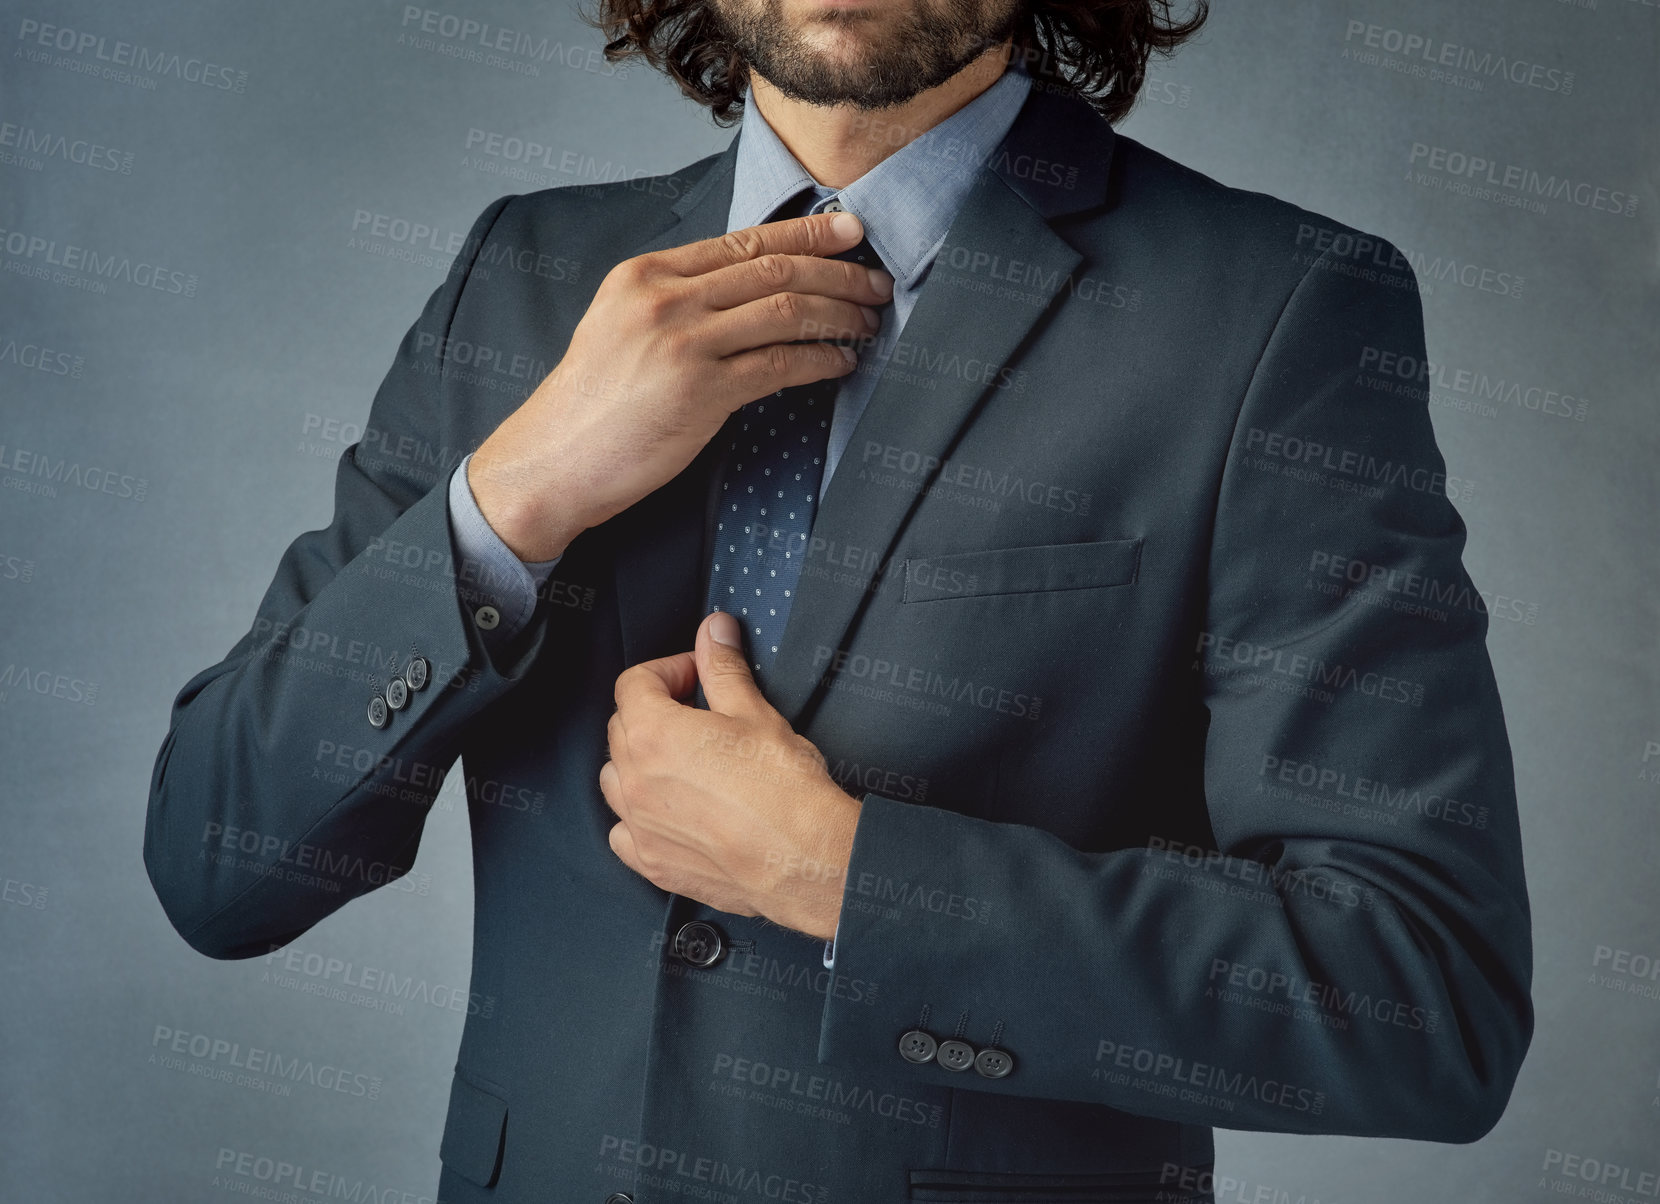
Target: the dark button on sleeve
pixel 917 1046
pixel 993 1063
pixel 955 1055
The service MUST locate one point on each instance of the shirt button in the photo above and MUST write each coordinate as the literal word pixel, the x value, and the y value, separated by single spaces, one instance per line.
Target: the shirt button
pixel 698 943
pixel 917 1046
pixel 397 693
pixel 955 1055
pixel 416 672
pixel 993 1063
pixel 833 206
pixel 487 618
pixel 378 714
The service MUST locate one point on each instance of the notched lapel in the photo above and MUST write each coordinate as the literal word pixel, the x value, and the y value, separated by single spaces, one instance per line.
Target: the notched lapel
pixel 1000 266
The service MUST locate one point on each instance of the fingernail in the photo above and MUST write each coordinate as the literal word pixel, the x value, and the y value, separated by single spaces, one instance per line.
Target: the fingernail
pixel 846 225
pixel 723 628
pixel 872 319
pixel 881 282
pixel 848 354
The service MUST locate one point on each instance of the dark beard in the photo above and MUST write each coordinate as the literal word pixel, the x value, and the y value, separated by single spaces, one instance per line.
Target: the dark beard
pixel 923 53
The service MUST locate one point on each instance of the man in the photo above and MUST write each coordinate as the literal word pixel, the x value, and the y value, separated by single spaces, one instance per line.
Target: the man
pixel 974 777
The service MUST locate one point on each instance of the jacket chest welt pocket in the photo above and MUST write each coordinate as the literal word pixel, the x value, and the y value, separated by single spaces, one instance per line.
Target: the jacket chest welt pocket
pixel 1038 568
pixel 1002 1187
pixel 475 1130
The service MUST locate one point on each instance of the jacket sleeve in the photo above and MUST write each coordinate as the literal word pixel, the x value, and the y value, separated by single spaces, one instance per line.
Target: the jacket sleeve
pixel 274 799
pixel 1354 953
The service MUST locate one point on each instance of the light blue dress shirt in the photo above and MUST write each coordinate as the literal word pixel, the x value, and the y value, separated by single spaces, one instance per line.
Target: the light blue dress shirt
pixel 906 204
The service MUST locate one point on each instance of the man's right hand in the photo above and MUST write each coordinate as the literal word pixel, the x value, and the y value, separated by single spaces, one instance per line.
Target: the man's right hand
pixel 673 342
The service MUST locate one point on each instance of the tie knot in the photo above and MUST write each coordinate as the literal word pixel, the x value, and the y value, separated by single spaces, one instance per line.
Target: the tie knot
pixel 802 203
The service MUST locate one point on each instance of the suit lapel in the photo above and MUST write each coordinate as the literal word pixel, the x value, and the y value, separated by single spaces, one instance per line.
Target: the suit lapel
pixel 663 544
pixel 958 320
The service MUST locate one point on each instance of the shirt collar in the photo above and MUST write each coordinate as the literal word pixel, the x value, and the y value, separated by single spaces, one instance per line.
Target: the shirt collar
pixel 908 200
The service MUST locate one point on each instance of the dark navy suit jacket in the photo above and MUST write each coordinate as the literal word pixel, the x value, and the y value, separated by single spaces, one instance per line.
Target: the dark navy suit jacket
pixel 1136 618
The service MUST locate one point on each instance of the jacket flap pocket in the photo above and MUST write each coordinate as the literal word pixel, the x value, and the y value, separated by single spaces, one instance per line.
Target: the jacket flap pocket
pixel 1053 566
pixel 474 1132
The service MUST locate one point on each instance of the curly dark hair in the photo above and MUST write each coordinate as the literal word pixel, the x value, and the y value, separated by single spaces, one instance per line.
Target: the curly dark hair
pixel 1095 48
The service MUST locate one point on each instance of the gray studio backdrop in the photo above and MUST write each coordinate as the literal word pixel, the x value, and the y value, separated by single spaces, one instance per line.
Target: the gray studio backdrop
pixel 208 253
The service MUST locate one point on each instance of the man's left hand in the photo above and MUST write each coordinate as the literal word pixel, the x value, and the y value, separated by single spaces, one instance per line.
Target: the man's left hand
pixel 727 806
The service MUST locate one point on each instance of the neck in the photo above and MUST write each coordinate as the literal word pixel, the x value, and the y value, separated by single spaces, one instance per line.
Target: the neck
pixel 839 143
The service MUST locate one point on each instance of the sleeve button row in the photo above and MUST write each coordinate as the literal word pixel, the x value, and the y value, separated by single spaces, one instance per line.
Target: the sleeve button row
pixel 919 1047
pixel 395 697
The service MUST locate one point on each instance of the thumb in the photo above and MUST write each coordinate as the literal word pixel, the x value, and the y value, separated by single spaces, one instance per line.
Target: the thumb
pixel 723 669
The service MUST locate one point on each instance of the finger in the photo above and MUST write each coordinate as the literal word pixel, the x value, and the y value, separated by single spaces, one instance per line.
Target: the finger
pixel 753 374
pixel 621 841
pixel 657 681
pixel 724 670
pixel 815 234
pixel 783 317
pixel 610 789
pixel 727 287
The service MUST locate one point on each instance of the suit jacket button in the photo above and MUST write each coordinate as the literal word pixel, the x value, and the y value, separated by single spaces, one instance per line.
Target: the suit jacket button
pixel 619 1197
pixel 698 943
pixel 487 618
pixel 397 694
pixel 378 714
pixel 917 1046
pixel 415 673
pixel 955 1055
pixel 993 1063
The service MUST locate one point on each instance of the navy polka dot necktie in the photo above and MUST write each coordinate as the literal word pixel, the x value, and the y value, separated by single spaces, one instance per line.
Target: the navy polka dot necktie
pixel 773 466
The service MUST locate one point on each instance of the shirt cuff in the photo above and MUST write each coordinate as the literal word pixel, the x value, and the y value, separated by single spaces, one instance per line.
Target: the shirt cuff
pixel 500 589
pixel 830 947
